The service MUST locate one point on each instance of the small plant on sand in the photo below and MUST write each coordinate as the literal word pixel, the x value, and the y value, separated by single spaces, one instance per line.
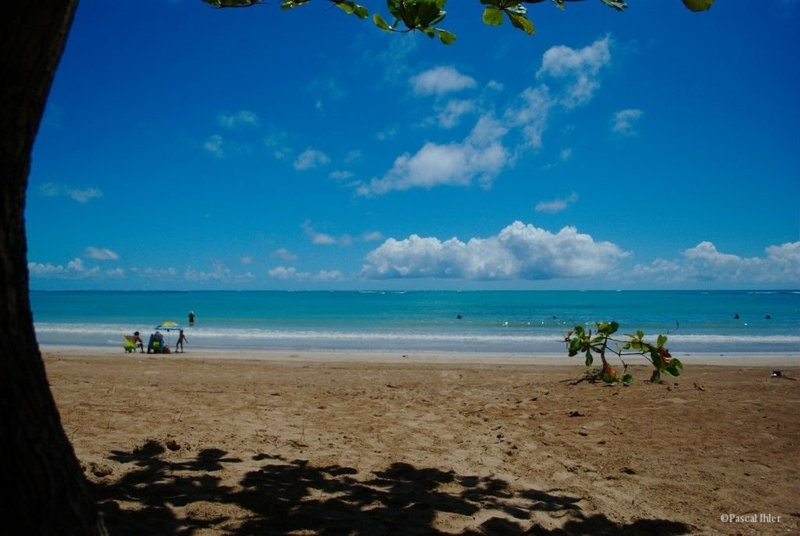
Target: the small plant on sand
pixel 602 343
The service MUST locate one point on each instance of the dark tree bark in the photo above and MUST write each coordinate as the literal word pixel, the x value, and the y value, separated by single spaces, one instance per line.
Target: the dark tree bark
pixel 43 484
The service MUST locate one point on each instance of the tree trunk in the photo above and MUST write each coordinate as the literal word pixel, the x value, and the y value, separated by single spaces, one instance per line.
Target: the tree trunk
pixel 44 488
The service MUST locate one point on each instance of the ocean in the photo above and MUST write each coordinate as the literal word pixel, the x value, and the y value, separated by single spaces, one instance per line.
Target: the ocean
pixel 490 322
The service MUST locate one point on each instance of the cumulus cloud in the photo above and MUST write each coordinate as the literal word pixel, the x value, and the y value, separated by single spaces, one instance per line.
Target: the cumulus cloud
pixel 372 236
pixel 81 195
pixel 530 114
pixel 480 156
pixel 579 69
pixel 317 238
pixel 290 273
pixel 100 254
pixel 518 251
pixel 74 269
pixel 452 112
pixel 440 80
pixel 624 121
pixel 310 159
pixel 483 154
pixel 219 272
pixel 238 119
pixel 156 273
pixel 705 263
pixel 284 255
pixel 556 205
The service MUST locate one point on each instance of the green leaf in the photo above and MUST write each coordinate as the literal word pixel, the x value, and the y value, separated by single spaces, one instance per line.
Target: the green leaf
pixel 291 4
pixel 395 7
pixel 448 38
pixel 380 23
pixel 607 328
pixel 609 378
pixel 492 16
pixel 662 339
pixel 674 368
pixel 589 359
pixel 698 5
pixel 619 5
pixel 351 8
pixel 521 22
pixel 232 3
pixel 627 379
pixel 640 334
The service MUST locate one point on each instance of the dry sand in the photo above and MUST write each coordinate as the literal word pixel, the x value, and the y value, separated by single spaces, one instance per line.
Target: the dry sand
pixel 207 444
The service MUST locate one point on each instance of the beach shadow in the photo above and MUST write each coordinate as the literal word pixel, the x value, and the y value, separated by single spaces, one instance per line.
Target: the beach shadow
pixel 292 496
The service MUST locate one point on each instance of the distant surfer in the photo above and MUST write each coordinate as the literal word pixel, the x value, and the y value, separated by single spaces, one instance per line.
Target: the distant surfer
pixel 191 318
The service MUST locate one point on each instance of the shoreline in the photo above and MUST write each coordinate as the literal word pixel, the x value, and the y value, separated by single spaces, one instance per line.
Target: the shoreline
pixel 743 359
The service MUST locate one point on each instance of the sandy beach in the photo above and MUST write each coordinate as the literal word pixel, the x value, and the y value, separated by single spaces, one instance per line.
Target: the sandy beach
pixel 208 443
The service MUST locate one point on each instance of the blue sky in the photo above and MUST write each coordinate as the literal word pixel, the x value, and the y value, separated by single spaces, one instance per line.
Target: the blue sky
pixel 187 147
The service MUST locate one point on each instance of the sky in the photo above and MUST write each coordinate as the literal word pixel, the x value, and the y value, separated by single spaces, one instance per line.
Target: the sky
pixel 187 147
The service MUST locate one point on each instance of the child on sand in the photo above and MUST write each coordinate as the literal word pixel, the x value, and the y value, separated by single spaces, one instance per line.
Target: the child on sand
pixel 181 339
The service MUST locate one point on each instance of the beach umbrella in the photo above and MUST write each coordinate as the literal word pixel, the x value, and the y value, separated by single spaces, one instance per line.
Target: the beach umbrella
pixel 168 326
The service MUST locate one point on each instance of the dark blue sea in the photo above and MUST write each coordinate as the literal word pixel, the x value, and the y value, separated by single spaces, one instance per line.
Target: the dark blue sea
pixel 516 322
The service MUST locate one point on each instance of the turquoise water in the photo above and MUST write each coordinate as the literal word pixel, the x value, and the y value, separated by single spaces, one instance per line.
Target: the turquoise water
pixel 520 322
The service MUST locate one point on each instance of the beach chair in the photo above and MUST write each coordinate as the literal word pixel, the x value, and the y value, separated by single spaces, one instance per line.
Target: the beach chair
pixel 128 344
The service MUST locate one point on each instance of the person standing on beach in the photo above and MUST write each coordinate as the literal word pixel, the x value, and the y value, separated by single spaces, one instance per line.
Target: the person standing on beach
pixel 181 339
pixel 191 318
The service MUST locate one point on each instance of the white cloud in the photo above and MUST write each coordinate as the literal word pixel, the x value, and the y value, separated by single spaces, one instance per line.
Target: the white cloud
pixel 452 112
pixel 214 145
pixel 276 142
pixel 219 273
pixel 704 263
pixel 317 238
pixel 53 189
pixel 556 205
pixel 100 254
pixel 238 119
pixel 310 159
pixel 290 273
pixel 156 273
pixel 387 133
pixel 579 68
pixel 624 121
pixel 483 155
pixel 74 269
pixel 531 113
pixel 479 156
pixel 519 251
pixel 284 255
pixel 340 175
pixel 494 85
pixel 440 80
pixel 372 236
